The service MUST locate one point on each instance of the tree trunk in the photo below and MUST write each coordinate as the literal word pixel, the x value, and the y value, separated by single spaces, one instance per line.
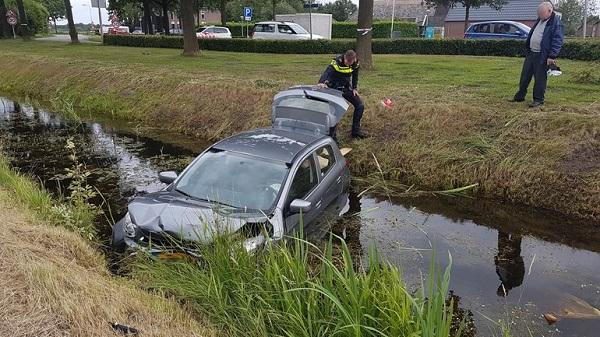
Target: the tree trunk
pixel 24 27
pixel 165 17
pixel 467 10
pixel 365 33
pixel 274 3
pixel 148 18
pixel 55 28
pixel 5 30
pixel 190 42
pixel 71 22
pixel 222 8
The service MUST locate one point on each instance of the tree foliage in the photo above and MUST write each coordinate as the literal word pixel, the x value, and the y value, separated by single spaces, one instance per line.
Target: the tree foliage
pixel 340 10
pixel 37 15
pixel 56 9
pixel 572 15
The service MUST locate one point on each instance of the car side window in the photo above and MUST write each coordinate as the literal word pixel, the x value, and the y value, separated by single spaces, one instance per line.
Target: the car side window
pixel 265 28
pixel 209 31
pixel 483 28
pixel 221 30
pixel 285 29
pixel 326 159
pixel 304 181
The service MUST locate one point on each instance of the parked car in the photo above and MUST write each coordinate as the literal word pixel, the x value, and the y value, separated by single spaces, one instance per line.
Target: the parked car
pixel 176 31
pixel 137 32
pixel 498 30
pixel 255 183
pixel 273 30
pixel 213 32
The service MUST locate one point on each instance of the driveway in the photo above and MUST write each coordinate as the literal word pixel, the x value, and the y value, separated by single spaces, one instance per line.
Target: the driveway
pixel 64 38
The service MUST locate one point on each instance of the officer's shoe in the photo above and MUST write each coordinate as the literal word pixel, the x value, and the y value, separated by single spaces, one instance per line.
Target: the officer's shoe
pixel 359 135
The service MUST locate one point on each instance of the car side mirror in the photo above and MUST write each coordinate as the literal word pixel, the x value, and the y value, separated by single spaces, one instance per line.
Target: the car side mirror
pixel 299 205
pixel 167 177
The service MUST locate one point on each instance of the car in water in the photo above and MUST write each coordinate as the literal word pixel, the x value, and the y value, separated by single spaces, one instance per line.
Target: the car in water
pixel 262 184
pixel 213 32
pixel 281 30
pixel 498 30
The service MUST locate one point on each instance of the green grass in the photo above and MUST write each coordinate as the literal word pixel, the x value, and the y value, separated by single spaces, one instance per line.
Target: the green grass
pixel 450 125
pixel 301 291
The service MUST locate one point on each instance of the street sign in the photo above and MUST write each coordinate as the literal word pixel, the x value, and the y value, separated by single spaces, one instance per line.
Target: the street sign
pixel 11 20
pixel 114 19
pixel 99 3
pixel 312 5
pixel 247 13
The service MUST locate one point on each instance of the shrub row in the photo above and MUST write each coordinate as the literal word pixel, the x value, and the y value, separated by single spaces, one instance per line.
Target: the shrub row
pixel 347 30
pixel 577 50
pixel 381 29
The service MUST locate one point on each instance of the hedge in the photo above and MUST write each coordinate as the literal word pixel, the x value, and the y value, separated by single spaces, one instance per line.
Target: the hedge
pixel 381 29
pixel 347 30
pixel 577 50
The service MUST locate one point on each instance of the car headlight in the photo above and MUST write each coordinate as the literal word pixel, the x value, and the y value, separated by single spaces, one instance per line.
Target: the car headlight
pixel 129 227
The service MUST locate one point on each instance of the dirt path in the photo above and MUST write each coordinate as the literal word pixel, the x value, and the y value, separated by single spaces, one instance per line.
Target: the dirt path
pixel 54 284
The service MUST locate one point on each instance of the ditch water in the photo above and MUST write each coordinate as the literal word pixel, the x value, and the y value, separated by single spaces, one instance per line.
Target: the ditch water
pixel 508 263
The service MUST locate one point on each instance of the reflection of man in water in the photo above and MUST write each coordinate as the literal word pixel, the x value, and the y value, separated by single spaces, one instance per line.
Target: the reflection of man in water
pixel 509 262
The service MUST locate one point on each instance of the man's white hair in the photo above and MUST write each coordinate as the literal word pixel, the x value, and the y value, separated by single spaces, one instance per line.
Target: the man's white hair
pixel 546 5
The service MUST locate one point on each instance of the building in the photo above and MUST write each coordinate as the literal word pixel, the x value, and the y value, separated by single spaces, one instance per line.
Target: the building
pixel 404 10
pixel 203 17
pixel 524 11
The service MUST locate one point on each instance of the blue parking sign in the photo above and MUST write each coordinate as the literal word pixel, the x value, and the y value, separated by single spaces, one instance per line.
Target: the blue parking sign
pixel 247 13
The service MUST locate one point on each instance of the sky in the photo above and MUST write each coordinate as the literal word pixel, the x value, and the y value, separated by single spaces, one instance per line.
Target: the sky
pixel 81 11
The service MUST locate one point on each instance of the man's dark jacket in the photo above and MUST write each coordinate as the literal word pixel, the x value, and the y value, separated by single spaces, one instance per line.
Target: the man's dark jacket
pixel 552 40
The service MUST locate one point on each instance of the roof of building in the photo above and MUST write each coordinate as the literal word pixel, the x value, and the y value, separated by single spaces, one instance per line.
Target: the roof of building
pixel 515 10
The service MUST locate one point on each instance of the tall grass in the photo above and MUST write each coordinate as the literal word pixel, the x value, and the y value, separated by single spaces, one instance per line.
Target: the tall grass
pixel 297 289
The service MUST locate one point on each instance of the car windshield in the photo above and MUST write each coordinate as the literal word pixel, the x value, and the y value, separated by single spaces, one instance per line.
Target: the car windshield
pixel 235 180
pixel 298 29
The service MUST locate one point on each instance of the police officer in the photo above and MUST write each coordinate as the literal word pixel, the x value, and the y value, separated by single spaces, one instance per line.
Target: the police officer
pixel 342 74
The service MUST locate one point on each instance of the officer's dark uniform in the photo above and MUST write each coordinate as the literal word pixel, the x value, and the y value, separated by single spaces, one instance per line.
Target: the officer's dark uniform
pixel 345 78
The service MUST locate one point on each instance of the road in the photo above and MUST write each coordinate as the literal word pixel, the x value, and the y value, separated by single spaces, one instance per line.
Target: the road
pixel 64 38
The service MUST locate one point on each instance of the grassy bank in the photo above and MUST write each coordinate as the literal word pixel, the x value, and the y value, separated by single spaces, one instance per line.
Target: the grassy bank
pixel 450 124
pixel 55 283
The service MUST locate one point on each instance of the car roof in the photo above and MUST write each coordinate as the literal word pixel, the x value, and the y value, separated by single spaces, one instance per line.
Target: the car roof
pixel 500 21
pixel 274 144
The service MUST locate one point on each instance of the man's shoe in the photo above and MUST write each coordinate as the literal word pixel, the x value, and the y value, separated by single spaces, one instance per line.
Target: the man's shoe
pixel 513 100
pixel 536 104
pixel 359 135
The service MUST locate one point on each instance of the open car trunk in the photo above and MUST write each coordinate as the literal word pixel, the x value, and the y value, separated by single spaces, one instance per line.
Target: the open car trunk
pixel 308 109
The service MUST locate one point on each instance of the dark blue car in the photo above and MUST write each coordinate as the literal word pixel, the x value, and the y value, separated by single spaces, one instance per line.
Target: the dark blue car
pixel 498 30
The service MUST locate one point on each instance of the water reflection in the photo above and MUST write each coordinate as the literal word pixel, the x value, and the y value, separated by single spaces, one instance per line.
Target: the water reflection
pixel 509 262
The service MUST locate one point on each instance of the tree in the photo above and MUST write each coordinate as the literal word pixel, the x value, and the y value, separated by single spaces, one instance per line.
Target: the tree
pixel 5 30
pixel 467 4
pixel 190 41
pixel 365 33
pixel 71 23
pixel 24 26
pixel 56 10
pixel 340 10
pixel 572 15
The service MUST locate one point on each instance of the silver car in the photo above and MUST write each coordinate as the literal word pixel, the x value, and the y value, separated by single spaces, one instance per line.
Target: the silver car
pixel 278 30
pixel 256 183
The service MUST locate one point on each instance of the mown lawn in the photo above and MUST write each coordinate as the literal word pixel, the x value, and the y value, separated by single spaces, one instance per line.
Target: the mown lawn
pixel 450 125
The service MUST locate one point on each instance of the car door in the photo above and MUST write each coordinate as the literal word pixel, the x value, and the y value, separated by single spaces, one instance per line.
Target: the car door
pixel 285 32
pixel 330 172
pixel 304 185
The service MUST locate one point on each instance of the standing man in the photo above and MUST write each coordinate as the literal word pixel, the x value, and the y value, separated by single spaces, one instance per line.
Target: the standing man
pixel 342 74
pixel 541 50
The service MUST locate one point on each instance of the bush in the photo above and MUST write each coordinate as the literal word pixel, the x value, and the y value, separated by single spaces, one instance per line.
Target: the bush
pixel 576 50
pixel 381 29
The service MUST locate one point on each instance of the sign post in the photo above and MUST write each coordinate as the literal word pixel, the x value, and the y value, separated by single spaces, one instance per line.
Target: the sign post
pixel 11 19
pixel 310 6
pixel 99 4
pixel 247 17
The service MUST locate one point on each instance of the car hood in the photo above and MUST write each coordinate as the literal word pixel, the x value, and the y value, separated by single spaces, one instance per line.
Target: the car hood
pixel 185 218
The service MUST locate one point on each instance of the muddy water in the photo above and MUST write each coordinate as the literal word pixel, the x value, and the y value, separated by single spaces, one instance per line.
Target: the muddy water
pixel 508 263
